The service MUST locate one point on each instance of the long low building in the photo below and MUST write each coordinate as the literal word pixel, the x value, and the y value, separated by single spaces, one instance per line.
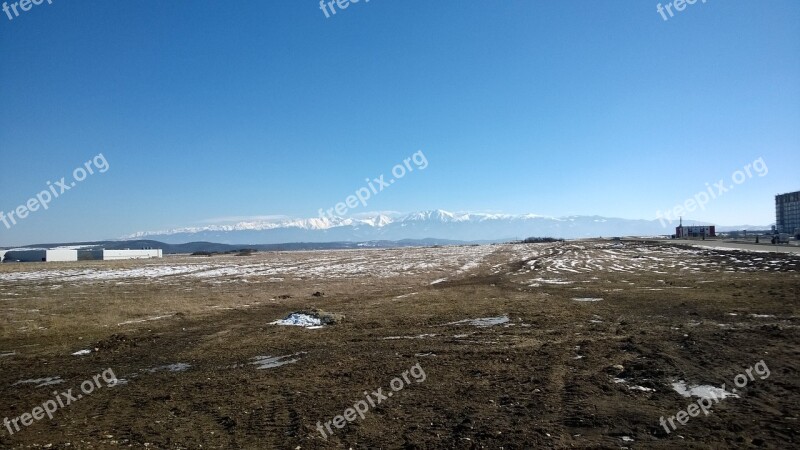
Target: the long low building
pixel 114 255
pixel 39 255
pixel 65 255
pixel 118 255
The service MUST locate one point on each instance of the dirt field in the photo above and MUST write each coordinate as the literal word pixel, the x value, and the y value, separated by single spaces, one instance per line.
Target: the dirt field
pixel 579 346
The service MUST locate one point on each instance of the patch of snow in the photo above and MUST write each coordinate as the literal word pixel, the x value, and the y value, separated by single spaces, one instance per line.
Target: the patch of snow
pixel 482 322
pixel 587 299
pixel 118 382
pixel 270 362
pixel 300 320
pixel 148 319
pixel 41 382
pixel 177 367
pixel 634 387
pixel 421 336
pixel 82 352
pixel 702 391
pixel 641 388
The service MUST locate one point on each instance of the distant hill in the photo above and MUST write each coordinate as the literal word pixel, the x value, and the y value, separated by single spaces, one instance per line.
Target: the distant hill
pixel 212 247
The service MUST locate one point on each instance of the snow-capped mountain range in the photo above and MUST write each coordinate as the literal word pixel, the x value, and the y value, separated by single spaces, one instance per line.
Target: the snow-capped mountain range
pixel 437 224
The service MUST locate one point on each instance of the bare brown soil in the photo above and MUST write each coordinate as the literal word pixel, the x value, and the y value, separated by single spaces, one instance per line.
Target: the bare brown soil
pixel 561 372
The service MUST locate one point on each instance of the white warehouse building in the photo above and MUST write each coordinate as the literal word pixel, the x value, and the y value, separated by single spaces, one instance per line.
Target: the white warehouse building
pixel 37 255
pixel 64 255
pixel 115 255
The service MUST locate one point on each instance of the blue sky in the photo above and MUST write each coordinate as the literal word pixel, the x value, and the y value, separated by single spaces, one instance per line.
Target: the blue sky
pixel 209 109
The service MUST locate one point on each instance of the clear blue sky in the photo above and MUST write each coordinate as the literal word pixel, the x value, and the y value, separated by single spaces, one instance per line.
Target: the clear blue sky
pixel 207 109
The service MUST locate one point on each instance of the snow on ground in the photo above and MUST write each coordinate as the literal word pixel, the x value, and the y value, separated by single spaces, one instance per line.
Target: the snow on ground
pixel 41 382
pixel 482 322
pixel 299 320
pixel 148 319
pixel 150 271
pixel 421 336
pixel 632 386
pixel 270 362
pixel 177 367
pixel 547 263
pixel 551 262
pixel 704 391
pixel 334 264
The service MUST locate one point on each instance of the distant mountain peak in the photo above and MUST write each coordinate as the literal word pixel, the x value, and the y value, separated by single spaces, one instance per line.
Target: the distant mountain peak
pixel 435 223
pixel 377 220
